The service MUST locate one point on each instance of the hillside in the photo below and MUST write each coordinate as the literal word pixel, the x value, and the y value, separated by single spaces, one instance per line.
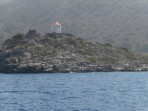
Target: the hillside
pixel 36 53
pixel 2 2
pixel 119 22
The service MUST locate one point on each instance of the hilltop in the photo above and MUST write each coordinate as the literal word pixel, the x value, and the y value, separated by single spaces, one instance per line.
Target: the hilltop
pixel 37 53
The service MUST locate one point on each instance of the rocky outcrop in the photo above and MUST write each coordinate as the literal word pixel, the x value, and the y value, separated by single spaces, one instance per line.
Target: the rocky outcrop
pixel 52 53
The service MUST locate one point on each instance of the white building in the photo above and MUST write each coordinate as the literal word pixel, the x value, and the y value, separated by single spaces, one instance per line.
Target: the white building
pixel 55 27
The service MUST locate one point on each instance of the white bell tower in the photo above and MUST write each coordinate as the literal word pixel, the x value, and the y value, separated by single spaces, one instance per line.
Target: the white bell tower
pixel 56 27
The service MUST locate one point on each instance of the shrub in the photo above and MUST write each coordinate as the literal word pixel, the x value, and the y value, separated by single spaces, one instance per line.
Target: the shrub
pixel 131 56
pixel 92 59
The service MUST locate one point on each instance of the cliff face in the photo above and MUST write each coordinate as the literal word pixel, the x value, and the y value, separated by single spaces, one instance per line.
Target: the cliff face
pixel 36 53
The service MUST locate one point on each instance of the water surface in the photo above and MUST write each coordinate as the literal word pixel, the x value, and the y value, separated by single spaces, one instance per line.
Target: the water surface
pixel 120 91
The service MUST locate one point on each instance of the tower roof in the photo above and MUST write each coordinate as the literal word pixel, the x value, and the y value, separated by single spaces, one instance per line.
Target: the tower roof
pixel 56 23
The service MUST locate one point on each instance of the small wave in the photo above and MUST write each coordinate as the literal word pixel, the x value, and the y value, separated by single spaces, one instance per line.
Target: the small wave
pixel 13 103
pixel 23 110
pixel 17 92
pixel 72 97
pixel 47 93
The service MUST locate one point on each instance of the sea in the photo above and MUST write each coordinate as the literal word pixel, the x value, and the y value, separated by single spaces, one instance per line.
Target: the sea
pixel 112 91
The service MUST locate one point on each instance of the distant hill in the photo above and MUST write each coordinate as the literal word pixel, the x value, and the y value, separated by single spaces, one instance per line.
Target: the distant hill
pixel 4 1
pixel 120 22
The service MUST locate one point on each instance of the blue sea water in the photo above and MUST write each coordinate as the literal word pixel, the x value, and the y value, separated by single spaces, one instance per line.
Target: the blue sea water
pixel 114 91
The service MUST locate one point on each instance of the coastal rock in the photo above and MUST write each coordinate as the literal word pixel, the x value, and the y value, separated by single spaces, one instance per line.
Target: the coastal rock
pixel 63 53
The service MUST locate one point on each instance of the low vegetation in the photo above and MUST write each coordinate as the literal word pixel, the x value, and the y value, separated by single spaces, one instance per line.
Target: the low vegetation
pixel 64 52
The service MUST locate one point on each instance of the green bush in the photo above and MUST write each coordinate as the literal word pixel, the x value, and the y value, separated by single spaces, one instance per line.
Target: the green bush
pixel 93 59
pixel 131 56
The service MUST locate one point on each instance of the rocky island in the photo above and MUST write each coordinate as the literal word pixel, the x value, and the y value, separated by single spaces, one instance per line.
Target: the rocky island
pixel 63 53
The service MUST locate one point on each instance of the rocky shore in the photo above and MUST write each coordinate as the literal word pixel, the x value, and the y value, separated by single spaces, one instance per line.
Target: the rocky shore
pixel 64 53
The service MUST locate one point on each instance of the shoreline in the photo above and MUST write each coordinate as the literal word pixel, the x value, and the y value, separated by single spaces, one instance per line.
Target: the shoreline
pixel 76 72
